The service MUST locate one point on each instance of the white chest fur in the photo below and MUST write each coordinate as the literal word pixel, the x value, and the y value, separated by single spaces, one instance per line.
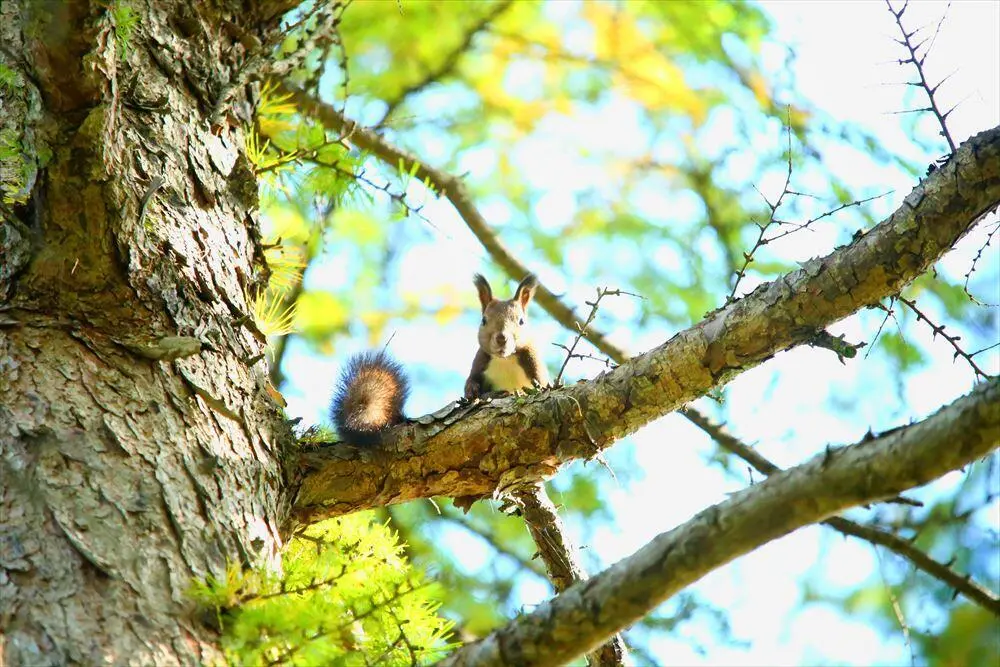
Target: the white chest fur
pixel 506 374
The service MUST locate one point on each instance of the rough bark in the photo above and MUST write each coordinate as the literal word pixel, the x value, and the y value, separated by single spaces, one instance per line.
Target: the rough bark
pixel 139 448
pixel 560 558
pixel 877 536
pixel 581 618
pixel 472 451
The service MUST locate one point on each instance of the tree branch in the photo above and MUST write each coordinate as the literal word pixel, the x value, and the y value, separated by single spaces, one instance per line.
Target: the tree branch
pixel 585 615
pixel 961 584
pixel 560 559
pixel 918 63
pixel 973 591
pixel 901 547
pixel 940 330
pixel 452 188
pixel 476 450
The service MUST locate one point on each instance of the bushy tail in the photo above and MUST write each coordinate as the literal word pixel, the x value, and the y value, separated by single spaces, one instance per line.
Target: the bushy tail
pixel 369 398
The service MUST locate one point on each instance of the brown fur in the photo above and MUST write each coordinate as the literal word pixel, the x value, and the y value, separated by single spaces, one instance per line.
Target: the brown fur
pixel 369 398
pixel 504 341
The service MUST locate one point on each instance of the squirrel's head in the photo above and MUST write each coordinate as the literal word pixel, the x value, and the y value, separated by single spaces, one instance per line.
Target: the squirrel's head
pixel 503 325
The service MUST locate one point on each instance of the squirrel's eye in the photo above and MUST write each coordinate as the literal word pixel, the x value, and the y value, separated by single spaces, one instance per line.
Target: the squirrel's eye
pixel 521 322
pixel 484 320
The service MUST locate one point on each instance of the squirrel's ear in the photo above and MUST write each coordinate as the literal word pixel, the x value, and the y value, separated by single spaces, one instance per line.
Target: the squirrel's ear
pixel 526 290
pixel 483 288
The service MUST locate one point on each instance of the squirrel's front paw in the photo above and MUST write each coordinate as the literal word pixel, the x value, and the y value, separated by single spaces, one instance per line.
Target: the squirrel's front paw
pixel 472 390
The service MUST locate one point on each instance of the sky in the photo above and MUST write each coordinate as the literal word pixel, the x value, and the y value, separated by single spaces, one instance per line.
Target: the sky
pixel 845 65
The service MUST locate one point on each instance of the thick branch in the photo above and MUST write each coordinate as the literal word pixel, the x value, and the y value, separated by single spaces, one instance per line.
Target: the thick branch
pixel 476 450
pixel 584 616
pixel 546 529
pixel 976 593
pixel 561 561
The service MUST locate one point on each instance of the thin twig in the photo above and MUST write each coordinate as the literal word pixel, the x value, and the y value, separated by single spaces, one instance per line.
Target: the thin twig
pixel 918 63
pixel 399 198
pixel 952 340
pixel 937 30
pixel 343 63
pixel 313 586
pixel 581 330
pixel 896 608
pixel 889 312
pixel 583 355
pixel 827 214
pixel 985 349
pixel 762 228
pixel 968 274
pixel 763 239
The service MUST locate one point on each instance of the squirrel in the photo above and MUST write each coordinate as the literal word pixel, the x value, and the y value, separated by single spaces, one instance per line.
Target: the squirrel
pixel 507 360
pixel 372 388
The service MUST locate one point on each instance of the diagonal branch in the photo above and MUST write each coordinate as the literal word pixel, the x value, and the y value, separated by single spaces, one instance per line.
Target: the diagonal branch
pixel 973 591
pixel 962 584
pixel 901 547
pixel 585 615
pixel 952 339
pixel 452 188
pixel 477 450
pixel 972 269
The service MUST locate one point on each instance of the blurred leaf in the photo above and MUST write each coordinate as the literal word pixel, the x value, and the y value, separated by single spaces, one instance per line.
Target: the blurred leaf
pixel 319 314
pixel 904 354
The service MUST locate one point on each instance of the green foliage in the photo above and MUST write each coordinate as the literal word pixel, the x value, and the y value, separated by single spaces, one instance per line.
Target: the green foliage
pixel 346 597
pixel 904 354
pixel 969 638
pixel 8 78
pixel 14 170
pixel 481 599
pixel 124 19
pixel 10 146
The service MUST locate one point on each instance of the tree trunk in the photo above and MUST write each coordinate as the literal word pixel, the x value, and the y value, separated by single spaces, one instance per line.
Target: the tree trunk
pixel 139 446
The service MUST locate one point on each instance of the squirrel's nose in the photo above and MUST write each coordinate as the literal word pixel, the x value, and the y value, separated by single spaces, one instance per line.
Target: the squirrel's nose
pixel 501 339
